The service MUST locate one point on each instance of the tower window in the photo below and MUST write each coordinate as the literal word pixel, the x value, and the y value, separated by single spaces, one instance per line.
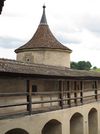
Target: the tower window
pixel 27 59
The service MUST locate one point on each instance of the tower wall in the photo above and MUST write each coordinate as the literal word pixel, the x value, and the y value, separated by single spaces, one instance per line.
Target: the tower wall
pixel 46 57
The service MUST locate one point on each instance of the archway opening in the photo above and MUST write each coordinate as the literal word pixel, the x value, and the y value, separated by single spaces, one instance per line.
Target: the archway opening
pixel 93 121
pixel 52 127
pixel 76 124
pixel 16 131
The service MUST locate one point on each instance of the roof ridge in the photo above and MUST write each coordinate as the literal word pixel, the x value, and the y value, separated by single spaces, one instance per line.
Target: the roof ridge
pixel 11 61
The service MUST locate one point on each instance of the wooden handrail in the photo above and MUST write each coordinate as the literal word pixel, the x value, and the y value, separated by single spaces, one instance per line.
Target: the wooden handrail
pixel 13 94
pixel 46 93
pixel 29 102
pixel 43 93
pixel 48 101
pixel 13 105
pixel 38 102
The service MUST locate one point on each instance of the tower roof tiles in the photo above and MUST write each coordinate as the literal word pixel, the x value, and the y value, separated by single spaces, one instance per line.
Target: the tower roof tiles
pixel 43 38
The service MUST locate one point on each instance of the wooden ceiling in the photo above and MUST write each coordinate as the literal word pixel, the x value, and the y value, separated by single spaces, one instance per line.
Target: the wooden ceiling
pixel 1 5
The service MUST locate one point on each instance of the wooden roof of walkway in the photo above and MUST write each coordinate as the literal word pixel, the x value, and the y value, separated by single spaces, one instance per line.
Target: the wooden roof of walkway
pixel 29 69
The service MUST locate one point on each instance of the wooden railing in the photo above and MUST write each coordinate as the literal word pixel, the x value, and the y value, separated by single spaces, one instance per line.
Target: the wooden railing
pixel 35 102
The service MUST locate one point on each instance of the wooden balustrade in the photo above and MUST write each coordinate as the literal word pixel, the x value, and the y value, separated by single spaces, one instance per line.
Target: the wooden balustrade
pixel 73 98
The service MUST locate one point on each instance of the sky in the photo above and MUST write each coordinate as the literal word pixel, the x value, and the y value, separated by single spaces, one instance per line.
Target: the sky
pixel 75 23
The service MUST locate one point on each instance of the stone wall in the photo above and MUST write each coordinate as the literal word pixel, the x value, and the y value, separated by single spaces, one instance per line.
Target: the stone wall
pixel 35 124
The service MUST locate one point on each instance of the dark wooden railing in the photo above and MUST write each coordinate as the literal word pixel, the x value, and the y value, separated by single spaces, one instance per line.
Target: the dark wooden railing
pixel 34 102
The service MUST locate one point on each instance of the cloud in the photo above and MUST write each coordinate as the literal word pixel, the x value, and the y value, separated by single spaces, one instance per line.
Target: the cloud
pixel 68 38
pixel 9 42
pixel 80 52
pixel 88 49
pixel 67 33
pixel 89 22
pixel 7 53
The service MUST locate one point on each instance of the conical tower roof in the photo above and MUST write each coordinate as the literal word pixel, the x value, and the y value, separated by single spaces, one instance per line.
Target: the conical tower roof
pixel 43 38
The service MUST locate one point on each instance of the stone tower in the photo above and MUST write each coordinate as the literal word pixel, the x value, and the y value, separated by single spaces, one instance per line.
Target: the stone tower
pixel 44 48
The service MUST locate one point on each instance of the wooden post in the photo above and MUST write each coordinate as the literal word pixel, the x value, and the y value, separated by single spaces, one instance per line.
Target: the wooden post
pixel 81 92
pixel 68 94
pixel 29 98
pixel 96 90
pixel 75 93
pixel 61 93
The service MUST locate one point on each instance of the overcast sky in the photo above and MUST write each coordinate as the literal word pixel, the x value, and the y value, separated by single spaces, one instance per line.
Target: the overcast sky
pixel 75 23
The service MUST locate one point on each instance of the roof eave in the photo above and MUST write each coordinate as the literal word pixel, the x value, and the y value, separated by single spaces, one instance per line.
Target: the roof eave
pixel 42 48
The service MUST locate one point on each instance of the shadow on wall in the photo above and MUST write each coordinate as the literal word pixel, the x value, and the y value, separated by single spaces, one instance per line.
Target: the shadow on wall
pixel 17 131
pixel 76 124
pixel 52 127
pixel 93 121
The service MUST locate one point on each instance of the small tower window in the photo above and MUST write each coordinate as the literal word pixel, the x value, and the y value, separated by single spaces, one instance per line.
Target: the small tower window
pixel 27 59
pixel 34 88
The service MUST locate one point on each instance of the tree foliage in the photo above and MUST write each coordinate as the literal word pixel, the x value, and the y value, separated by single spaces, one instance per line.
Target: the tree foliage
pixel 81 65
pixel 94 68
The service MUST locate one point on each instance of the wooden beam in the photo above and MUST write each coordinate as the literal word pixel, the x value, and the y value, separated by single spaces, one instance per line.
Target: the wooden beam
pixel 13 94
pixel 61 93
pixel 81 92
pixel 29 97
pixel 75 93
pixel 96 90
pixel 68 94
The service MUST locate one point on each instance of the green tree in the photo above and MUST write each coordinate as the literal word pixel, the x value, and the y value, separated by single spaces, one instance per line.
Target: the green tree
pixel 74 65
pixel 94 68
pixel 81 65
